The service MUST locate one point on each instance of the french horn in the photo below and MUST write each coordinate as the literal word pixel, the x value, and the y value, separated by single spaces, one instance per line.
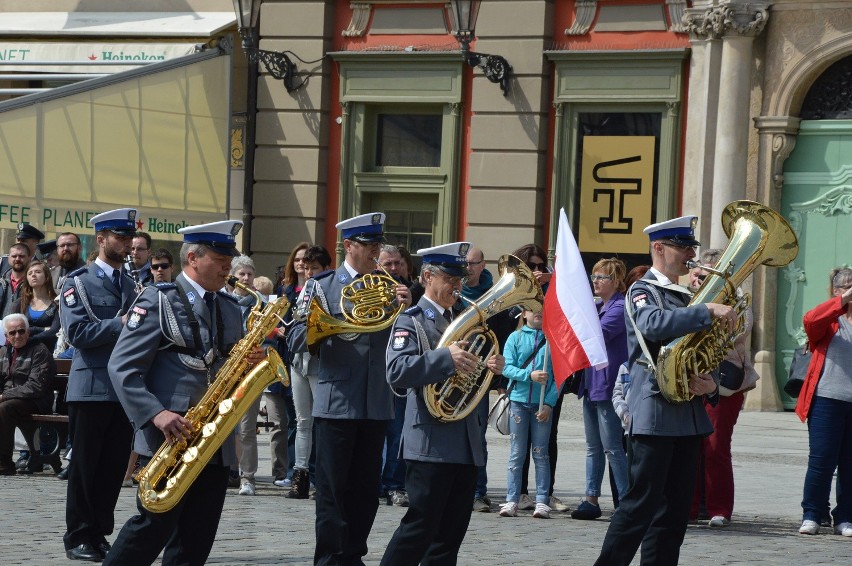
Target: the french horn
pixel 454 398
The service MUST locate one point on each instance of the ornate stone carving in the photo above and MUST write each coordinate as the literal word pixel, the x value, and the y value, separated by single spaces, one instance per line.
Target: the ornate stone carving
pixel 559 108
pixel 586 10
pixel 673 108
pixel 676 13
pixel 455 108
pixel 782 147
pixel 360 18
pixel 715 22
pixel 344 108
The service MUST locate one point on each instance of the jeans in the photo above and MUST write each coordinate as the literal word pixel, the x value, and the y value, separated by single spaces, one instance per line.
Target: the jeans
pixel 481 471
pixel 524 427
pixel 276 410
pixel 303 398
pixel 247 441
pixel 603 442
pixel 830 440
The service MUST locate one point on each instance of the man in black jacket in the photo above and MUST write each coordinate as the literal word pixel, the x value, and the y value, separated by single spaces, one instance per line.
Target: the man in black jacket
pixel 27 372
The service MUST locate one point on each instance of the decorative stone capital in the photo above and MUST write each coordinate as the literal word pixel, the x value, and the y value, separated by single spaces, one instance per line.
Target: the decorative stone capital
pixel 586 10
pixel 677 9
pixel 718 21
pixel 783 131
pixel 360 18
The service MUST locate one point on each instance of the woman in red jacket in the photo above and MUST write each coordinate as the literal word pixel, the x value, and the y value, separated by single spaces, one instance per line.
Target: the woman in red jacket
pixel 826 403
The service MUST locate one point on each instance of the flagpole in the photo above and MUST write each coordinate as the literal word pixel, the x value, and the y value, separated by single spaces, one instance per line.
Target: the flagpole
pixel 543 385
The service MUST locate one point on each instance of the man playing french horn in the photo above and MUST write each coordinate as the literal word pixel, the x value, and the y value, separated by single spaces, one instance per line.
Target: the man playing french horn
pixel 441 457
pixel 664 437
pixel 176 337
pixel 352 402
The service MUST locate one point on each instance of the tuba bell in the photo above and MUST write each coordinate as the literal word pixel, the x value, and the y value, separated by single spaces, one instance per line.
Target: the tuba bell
pixel 170 473
pixel 454 398
pixel 368 304
pixel 758 236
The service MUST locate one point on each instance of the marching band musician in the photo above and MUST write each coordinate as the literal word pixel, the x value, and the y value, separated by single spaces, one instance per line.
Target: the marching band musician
pixel 352 403
pixel 93 310
pixel 664 437
pixel 176 338
pixel 441 457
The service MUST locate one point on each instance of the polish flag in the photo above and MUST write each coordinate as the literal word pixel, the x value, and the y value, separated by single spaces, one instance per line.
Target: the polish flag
pixel 570 319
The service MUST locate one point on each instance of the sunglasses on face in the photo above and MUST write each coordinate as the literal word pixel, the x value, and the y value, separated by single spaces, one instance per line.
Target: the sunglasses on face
pixel 16 332
pixel 159 266
pixel 537 266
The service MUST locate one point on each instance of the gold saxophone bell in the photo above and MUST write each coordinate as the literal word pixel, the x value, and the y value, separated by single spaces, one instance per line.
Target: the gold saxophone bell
pixel 170 473
pixel 456 397
pixel 758 236
pixel 368 304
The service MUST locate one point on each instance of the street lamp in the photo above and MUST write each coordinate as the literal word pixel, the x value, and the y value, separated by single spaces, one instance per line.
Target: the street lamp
pixel 463 14
pixel 278 64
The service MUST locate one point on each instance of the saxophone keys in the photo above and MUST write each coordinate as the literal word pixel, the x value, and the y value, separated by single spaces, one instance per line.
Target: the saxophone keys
pixel 226 406
pixel 190 455
pixel 209 430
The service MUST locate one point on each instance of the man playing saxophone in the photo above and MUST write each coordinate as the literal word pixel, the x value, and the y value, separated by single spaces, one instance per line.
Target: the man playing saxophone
pixel 352 402
pixel 176 337
pixel 441 457
pixel 664 437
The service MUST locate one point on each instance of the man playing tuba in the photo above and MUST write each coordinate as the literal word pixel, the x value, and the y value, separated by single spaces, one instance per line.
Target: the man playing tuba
pixel 441 457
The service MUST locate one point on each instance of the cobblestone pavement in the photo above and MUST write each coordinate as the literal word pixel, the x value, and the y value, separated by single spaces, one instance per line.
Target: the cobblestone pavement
pixel 770 456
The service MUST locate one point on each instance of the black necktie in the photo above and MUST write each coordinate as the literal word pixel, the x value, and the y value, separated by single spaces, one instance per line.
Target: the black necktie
pixel 210 301
pixel 448 315
pixel 116 278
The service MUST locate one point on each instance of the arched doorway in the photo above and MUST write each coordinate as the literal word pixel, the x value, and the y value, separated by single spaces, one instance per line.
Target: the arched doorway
pixel 817 198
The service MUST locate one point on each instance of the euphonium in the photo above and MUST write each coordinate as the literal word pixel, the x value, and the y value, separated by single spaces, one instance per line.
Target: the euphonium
pixel 167 477
pixel 367 305
pixel 454 398
pixel 758 236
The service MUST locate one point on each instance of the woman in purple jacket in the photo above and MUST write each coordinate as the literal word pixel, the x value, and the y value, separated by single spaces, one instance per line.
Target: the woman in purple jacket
pixel 602 424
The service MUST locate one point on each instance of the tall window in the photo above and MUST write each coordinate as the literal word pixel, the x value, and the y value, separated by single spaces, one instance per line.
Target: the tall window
pixel 408 140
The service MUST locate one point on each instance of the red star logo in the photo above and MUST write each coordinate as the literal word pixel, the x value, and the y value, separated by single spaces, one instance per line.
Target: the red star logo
pixel 138 224
pixel 92 57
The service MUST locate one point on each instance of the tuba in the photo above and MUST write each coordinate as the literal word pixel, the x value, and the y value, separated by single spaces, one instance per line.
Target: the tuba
pixel 758 236
pixel 167 477
pixel 367 304
pixel 454 398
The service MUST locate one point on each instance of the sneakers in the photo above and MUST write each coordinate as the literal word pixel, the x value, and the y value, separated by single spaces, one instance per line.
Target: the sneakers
pixel 557 505
pixel 542 511
pixel 809 527
pixel 509 509
pixel 127 483
pixel 586 511
pixel 719 521
pixel 526 503
pixel 482 505
pixel 247 487
pixel 843 529
pixel 399 498
pixel 284 482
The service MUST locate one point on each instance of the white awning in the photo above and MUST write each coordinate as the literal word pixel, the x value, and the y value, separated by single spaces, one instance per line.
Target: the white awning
pixel 96 57
pixel 115 24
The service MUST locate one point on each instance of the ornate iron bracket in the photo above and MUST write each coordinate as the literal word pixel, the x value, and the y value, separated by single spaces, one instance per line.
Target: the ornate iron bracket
pixel 279 65
pixel 495 68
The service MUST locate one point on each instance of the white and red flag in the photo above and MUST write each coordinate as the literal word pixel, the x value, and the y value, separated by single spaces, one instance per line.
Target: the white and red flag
pixel 570 319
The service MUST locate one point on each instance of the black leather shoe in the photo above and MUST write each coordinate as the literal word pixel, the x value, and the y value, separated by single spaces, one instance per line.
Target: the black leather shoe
pixel 84 552
pixel 103 548
pixel 63 473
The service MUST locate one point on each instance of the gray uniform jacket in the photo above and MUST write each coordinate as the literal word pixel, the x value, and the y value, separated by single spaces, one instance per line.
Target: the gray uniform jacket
pixel 413 363
pixel 149 374
pixel 90 310
pixel 351 376
pixel 650 413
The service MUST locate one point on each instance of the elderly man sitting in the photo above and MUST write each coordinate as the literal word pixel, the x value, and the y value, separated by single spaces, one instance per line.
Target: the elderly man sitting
pixel 26 373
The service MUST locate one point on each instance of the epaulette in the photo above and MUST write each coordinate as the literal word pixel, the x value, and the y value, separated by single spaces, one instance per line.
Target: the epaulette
pixel 165 286
pixel 411 311
pixel 228 296
pixel 78 271
pixel 323 274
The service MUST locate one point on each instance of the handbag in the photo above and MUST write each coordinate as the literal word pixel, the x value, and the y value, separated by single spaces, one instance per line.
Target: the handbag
pixel 498 416
pixel 730 377
pixel 798 369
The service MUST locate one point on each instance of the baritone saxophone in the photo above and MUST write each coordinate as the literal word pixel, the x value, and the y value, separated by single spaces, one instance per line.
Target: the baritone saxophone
pixel 170 473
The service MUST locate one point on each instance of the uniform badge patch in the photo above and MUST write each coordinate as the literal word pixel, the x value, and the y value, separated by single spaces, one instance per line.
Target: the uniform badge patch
pixel 190 296
pixel 640 301
pixel 430 314
pixel 400 340
pixel 101 273
pixel 342 278
pixel 135 319
pixel 69 297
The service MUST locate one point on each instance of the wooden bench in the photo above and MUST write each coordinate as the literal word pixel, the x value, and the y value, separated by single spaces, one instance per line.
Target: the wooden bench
pixel 56 422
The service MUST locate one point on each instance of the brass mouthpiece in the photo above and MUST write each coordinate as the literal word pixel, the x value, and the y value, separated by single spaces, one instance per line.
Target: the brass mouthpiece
pixel 691 264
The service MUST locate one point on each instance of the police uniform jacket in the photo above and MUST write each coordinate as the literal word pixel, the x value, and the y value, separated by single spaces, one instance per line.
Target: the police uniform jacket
pixel 90 311
pixel 59 274
pixel 31 376
pixel 412 363
pixel 156 364
pixel 661 315
pixel 351 376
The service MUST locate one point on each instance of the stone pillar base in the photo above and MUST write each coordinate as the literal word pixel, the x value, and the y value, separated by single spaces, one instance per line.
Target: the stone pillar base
pixel 765 396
